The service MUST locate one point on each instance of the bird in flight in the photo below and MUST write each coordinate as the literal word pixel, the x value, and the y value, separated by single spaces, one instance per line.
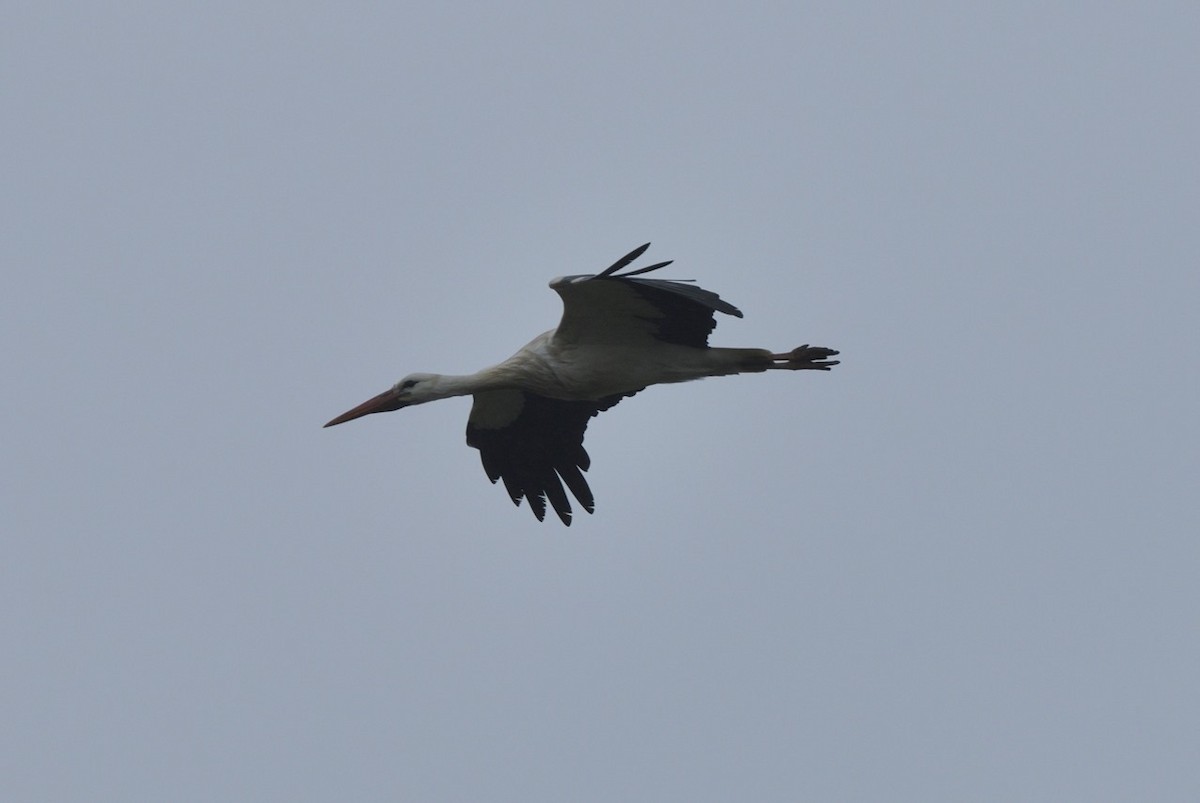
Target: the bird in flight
pixel 619 334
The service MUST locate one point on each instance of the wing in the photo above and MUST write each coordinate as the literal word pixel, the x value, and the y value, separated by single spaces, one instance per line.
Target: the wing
pixel 620 308
pixel 535 444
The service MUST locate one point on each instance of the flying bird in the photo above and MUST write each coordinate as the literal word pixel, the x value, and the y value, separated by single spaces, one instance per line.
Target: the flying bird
pixel 619 334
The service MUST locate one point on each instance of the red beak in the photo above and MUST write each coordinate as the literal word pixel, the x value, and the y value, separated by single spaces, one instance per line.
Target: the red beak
pixel 384 402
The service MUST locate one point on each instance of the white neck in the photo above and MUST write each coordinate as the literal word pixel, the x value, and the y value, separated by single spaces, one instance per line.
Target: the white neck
pixel 448 385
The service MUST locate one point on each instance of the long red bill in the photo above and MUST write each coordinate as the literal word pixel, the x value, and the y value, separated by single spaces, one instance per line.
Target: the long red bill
pixel 384 402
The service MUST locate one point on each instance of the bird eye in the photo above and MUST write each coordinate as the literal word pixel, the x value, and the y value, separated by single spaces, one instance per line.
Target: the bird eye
pixel 407 383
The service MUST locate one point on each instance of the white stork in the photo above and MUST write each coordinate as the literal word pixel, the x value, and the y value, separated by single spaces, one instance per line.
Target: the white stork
pixel 618 335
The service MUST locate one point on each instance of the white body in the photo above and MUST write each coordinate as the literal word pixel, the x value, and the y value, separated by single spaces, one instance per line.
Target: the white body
pixel 569 370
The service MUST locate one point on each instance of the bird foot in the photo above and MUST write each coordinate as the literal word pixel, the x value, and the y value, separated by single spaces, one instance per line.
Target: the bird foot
pixel 806 357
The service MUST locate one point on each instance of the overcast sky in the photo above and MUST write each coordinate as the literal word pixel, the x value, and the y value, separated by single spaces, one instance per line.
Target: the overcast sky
pixel 961 566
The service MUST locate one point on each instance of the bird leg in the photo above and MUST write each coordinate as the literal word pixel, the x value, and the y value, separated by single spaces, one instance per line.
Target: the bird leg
pixel 806 357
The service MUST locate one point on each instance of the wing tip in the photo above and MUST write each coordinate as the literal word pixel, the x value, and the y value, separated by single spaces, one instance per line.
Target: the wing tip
pixel 623 261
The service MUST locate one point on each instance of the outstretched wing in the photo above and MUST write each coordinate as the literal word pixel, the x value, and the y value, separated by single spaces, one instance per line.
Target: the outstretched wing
pixel 612 307
pixel 535 444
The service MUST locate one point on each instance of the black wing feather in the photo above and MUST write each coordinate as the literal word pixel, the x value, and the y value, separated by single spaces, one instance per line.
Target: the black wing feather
pixel 685 321
pixel 685 313
pixel 625 260
pixel 539 450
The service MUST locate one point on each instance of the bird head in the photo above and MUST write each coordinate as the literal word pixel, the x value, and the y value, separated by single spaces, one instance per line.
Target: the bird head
pixel 412 389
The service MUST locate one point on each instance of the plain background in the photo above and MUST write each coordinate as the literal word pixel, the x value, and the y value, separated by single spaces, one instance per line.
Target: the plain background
pixel 961 566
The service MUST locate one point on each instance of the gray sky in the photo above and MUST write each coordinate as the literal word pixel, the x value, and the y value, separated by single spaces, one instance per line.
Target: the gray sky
pixel 961 566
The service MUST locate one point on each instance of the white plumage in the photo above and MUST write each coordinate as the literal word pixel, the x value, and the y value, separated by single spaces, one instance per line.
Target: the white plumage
pixel 619 334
